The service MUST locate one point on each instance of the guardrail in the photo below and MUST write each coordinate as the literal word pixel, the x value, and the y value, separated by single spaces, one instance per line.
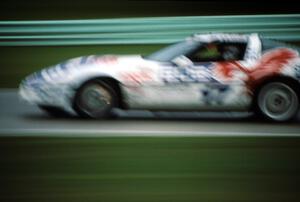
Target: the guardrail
pixel 154 30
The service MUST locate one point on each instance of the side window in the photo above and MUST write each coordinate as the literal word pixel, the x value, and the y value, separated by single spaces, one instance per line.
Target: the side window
pixel 207 52
pixel 233 51
pixel 214 52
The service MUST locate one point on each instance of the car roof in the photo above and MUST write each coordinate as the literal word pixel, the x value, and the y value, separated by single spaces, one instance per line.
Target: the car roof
pixel 225 37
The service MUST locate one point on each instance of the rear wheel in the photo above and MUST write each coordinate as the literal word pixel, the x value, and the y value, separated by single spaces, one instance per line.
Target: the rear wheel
pixel 277 101
pixel 95 99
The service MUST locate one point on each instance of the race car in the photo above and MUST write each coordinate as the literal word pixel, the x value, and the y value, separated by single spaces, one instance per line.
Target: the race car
pixel 204 72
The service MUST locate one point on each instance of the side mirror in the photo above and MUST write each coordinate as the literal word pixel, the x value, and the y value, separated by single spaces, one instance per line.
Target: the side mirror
pixel 182 61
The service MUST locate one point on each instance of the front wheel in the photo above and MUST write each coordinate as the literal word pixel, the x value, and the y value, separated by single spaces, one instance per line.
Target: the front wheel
pixel 95 99
pixel 277 101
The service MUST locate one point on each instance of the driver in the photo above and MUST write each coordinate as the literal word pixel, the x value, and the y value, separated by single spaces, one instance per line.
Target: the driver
pixel 230 53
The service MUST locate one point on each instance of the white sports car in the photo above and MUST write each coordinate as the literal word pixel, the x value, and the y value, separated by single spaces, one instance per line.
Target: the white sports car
pixel 211 72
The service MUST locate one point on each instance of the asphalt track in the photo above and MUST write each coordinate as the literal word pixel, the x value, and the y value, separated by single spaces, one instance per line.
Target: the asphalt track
pixel 21 119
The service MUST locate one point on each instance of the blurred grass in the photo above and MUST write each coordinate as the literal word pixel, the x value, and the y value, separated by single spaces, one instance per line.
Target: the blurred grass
pixel 17 62
pixel 150 169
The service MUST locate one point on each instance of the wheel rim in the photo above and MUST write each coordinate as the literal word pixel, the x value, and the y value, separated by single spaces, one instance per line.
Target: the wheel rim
pixel 95 100
pixel 278 101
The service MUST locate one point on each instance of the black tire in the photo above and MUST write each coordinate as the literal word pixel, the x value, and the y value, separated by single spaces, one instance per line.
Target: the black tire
pixel 277 101
pixel 95 99
pixel 54 111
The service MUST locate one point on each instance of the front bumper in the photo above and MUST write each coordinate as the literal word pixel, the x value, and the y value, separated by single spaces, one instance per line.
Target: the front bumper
pixel 44 95
pixel 31 96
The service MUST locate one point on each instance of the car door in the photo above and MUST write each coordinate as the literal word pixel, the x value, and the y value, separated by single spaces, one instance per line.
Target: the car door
pixel 198 85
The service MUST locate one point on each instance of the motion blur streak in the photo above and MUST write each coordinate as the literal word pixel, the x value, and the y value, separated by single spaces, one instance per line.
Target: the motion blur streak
pixel 20 119
pixel 151 30
pixel 149 169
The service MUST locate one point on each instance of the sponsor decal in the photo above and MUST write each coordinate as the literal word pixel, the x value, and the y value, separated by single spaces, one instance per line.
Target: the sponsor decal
pixel 195 74
pixel 137 77
pixel 214 95
pixel 271 62
pixel 107 59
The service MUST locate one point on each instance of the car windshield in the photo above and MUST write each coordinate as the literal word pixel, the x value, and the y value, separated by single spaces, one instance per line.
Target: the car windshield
pixel 170 52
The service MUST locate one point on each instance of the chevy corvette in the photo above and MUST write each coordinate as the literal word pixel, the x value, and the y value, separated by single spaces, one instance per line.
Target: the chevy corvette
pixel 204 72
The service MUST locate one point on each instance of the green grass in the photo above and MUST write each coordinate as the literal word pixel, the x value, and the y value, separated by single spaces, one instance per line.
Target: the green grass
pixel 149 169
pixel 17 62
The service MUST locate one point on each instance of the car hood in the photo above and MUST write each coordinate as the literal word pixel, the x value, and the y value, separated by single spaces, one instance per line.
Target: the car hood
pixel 99 60
pixel 119 67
